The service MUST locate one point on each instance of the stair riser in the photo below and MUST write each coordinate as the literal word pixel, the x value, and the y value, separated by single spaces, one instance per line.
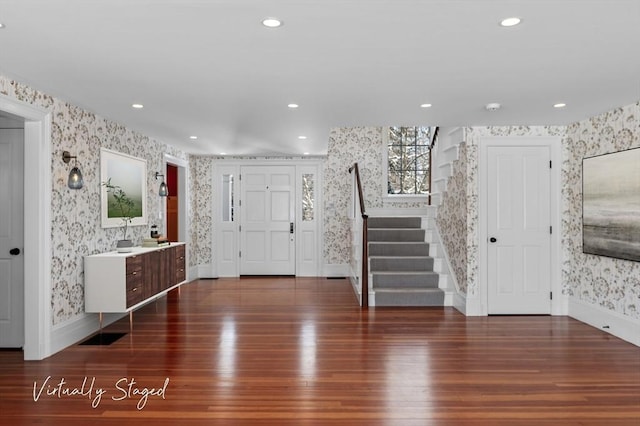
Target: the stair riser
pixel 409 298
pixel 399 249
pixel 400 264
pixel 416 235
pixel 394 222
pixel 405 281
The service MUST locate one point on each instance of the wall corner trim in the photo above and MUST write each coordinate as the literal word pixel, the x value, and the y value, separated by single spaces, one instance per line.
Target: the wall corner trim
pixel 618 325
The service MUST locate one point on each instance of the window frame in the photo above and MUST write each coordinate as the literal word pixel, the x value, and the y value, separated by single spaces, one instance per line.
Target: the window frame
pixel 399 198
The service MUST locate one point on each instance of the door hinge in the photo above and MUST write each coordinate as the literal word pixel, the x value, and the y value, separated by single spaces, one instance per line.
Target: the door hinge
pixel 239 177
pixel 240 253
pixel 551 295
pixel 240 228
pixel 551 229
pixel 550 164
pixel 239 203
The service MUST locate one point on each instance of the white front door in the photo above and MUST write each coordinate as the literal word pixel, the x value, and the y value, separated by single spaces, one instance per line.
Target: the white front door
pixel 11 239
pixel 267 231
pixel 518 229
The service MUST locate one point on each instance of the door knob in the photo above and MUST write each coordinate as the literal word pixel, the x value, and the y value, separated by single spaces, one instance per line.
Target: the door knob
pixel 493 239
pixel 14 251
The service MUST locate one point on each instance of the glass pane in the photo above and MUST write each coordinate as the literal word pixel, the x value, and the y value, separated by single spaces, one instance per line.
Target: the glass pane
pixel 422 182
pixel 227 198
pixel 395 157
pixel 307 197
pixel 395 136
pixel 393 183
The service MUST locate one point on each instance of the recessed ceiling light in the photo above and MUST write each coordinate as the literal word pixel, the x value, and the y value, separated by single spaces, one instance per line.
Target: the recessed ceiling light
pixel 425 106
pixel 137 106
pixel 292 106
pixel 510 22
pixel 559 105
pixel 1 25
pixel 272 22
pixel 305 153
pixel 193 137
pixel 223 153
pixel 301 137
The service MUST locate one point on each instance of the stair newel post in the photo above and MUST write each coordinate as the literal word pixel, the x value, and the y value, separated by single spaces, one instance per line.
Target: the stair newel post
pixel 365 262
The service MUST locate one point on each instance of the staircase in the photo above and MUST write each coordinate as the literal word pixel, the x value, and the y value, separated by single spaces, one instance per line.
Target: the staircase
pixel 401 267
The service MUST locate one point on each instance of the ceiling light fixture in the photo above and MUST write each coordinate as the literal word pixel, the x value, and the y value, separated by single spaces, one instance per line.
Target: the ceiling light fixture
pixel 559 105
pixel 137 106
pixel 1 25
pixel 305 153
pixel 193 137
pixel 223 153
pixel 494 106
pixel 293 106
pixel 510 22
pixel 425 106
pixel 302 137
pixel 272 22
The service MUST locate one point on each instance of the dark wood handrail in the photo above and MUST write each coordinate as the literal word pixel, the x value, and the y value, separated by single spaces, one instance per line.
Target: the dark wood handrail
pixel 365 238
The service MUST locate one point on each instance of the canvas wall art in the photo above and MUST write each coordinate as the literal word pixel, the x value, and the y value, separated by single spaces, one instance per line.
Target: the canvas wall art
pixel 611 205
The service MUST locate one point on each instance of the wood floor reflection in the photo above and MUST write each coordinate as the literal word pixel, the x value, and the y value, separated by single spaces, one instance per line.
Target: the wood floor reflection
pixel 299 351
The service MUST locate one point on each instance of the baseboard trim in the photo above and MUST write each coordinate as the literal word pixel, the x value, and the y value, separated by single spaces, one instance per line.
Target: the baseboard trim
pixel 205 271
pixel 608 321
pixel 82 326
pixel 460 302
pixel 336 270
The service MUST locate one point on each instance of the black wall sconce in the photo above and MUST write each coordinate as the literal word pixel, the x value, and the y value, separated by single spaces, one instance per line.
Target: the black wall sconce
pixel 75 180
pixel 163 192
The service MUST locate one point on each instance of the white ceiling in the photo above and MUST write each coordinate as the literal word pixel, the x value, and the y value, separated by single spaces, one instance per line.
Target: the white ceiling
pixel 209 68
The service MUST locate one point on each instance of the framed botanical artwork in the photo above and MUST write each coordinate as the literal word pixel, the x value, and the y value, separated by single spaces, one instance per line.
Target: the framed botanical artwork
pixel 128 174
pixel 611 205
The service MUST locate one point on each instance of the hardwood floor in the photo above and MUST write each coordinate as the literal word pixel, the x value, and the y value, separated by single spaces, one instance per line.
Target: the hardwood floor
pixel 285 351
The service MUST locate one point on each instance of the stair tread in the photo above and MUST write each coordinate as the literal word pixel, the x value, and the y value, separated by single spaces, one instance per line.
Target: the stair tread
pixel 408 290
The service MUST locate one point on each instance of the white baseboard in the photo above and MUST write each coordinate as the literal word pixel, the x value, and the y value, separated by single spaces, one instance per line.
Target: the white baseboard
pixel 78 328
pixel 460 302
pixel 336 270
pixel 608 321
pixel 205 271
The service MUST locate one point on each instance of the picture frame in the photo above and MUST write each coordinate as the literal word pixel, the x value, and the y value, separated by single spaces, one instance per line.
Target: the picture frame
pixel 611 205
pixel 130 174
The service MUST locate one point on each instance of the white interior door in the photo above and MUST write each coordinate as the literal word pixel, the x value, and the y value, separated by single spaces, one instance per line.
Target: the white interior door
pixel 267 236
pixel 518 230
pixel 11 239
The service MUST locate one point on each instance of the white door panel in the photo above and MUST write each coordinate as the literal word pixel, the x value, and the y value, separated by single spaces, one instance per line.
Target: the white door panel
pixel 519 219
pixel 11 237
pixel 267 212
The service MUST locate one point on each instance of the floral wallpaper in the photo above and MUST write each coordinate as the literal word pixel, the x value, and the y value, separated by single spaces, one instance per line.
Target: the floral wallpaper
pixel 76 225
pixel 452 219
pixel 472 135
pixel 348 145
pixel 613 284
pixel 202 198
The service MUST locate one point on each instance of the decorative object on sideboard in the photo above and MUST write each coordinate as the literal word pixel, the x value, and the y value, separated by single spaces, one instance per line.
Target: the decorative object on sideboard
pixel 119 201
pixel 75 180
pixel 154 231
pixel 163 191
